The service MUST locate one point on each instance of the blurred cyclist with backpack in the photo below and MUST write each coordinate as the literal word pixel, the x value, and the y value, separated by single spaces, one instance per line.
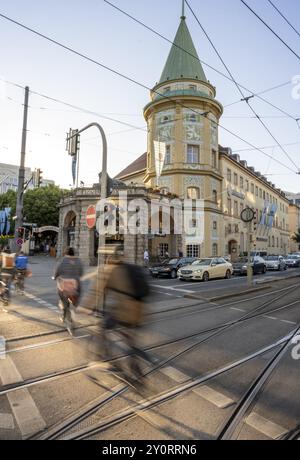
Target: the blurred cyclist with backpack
pixel 21 271
pixel 68 274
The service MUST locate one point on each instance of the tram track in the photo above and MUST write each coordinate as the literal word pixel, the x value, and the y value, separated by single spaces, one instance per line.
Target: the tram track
pixel 203 310
pixel 86 413
pixel 61 431
pixel 249 398
pixel 216 330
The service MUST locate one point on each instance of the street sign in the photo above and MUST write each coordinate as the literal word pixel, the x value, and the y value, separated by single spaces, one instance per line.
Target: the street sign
pixel 20 241
pixel 247 215
pixel 91 217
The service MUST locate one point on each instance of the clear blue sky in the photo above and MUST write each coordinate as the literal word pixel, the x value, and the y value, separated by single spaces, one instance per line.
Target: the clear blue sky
pixel 256 58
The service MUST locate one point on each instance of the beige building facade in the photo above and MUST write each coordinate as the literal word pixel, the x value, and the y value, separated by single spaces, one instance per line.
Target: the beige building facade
pixel 294 221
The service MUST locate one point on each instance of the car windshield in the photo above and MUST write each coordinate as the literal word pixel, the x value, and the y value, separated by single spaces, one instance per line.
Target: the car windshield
pixel 292 257
pixel 172 262
pixel 243 260
pixel 271 258
pixel 202 262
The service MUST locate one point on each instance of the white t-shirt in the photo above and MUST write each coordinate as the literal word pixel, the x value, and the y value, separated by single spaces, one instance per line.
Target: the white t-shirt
pixel 146 255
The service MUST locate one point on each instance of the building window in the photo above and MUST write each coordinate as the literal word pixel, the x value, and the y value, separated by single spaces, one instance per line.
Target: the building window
pixel 193 154
pixel 235 179
pixel 215 225
pixel 214 159
pixel 168 155
pixel 215 196
pixel 193 87
pixel 252 189
pixel 256 191
pixel 193 250
pixel 260 193
pixel 163 249
pixel 193 193
pixel 229 175
pixel 242 183
pixel 215 250
pixel 165 119
pixel 236 209
pixel 229 206
pixel 247 186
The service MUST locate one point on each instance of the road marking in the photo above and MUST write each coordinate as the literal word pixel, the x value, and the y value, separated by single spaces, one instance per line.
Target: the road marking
pixel 288 322
pixel 216 398
pixel 172 289
pixel 237 309
pixel 174 374
pixel 25 411
pixel 271 317
pixel 7 422
pixel 270 429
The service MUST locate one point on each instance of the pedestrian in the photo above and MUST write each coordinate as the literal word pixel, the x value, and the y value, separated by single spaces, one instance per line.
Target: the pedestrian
pixel 146 258
pixel 68 274
pixel 180 253
pixel 7 262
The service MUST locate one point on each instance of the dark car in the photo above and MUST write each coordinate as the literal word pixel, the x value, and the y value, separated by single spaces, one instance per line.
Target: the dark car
pixel 258 265
pixel 292 261
pixel 169 268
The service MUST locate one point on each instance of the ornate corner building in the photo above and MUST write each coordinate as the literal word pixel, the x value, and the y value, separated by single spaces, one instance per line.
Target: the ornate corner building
pixel 183 115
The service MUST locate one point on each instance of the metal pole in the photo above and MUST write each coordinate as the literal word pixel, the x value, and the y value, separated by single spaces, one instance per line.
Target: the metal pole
pixel 249 268
pixel 20 193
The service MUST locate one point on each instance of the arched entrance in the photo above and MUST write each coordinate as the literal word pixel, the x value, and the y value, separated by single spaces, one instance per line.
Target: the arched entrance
pixel 233 250
pixel 45 240
pixel 69 230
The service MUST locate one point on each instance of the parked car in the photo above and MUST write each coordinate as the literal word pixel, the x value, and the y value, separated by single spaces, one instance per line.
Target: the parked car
pixel 292 261
pixel 169 268
pixel 275 263
pixel 206 269
pixel 258 265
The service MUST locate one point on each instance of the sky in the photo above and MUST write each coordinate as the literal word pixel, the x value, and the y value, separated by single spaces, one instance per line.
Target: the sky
pixel 256 58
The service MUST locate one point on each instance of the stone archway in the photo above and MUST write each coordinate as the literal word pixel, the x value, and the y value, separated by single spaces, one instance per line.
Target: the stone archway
pixel 69 230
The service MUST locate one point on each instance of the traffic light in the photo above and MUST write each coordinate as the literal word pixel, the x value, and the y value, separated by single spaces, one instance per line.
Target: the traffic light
pixel 255 220
pixel 73 142
pixel 39 177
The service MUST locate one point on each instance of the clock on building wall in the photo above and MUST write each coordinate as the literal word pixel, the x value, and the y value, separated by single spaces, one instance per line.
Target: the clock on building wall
pixel 247 215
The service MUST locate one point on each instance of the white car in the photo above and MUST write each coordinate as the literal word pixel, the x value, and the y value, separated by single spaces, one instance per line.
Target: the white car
pixel 206 269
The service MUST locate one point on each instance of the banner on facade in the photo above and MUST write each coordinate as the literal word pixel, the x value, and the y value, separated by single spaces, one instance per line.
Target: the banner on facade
pixel 160 155
pixel 4 221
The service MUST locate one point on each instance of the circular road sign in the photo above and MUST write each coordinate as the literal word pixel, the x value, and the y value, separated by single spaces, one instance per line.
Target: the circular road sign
pixel 91 217
pixel 19 241
pixel 247 215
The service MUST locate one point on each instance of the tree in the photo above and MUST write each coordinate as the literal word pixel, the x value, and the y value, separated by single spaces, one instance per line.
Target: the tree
pixel 296 237
pixel 41 205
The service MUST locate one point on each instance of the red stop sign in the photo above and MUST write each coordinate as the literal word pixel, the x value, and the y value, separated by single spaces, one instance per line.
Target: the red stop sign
pixel 91 217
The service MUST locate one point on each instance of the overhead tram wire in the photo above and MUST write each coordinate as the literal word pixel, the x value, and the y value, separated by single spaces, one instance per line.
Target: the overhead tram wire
pixel 125 77
pixel 282 85
pixel 284 17
pixel 246 99
pixel 257 95
pixel 272 30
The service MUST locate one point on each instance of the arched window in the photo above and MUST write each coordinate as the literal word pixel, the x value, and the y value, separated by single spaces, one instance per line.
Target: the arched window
pixel 193 193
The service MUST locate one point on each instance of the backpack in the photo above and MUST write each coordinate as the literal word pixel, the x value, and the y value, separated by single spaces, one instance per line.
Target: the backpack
pixel 138 280
pixel 8 260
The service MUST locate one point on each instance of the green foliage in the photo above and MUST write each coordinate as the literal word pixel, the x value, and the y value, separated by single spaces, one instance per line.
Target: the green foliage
pixel 41 205
pixel 296 236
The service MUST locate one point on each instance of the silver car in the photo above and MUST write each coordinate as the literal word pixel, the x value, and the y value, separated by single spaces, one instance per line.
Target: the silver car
pixel 275 263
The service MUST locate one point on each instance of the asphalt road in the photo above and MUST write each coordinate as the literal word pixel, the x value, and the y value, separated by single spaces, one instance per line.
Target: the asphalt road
pixel 208 358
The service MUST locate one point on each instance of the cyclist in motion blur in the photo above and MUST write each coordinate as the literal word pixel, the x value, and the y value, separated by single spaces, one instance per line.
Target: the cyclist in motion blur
pixel 125 290
pixel 21 265
pixel 68 274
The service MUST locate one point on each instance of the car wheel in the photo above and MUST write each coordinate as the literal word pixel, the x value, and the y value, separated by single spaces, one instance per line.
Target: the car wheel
pixel 264 270
pixel 173 274
pixel 205 277
pixel 228 275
